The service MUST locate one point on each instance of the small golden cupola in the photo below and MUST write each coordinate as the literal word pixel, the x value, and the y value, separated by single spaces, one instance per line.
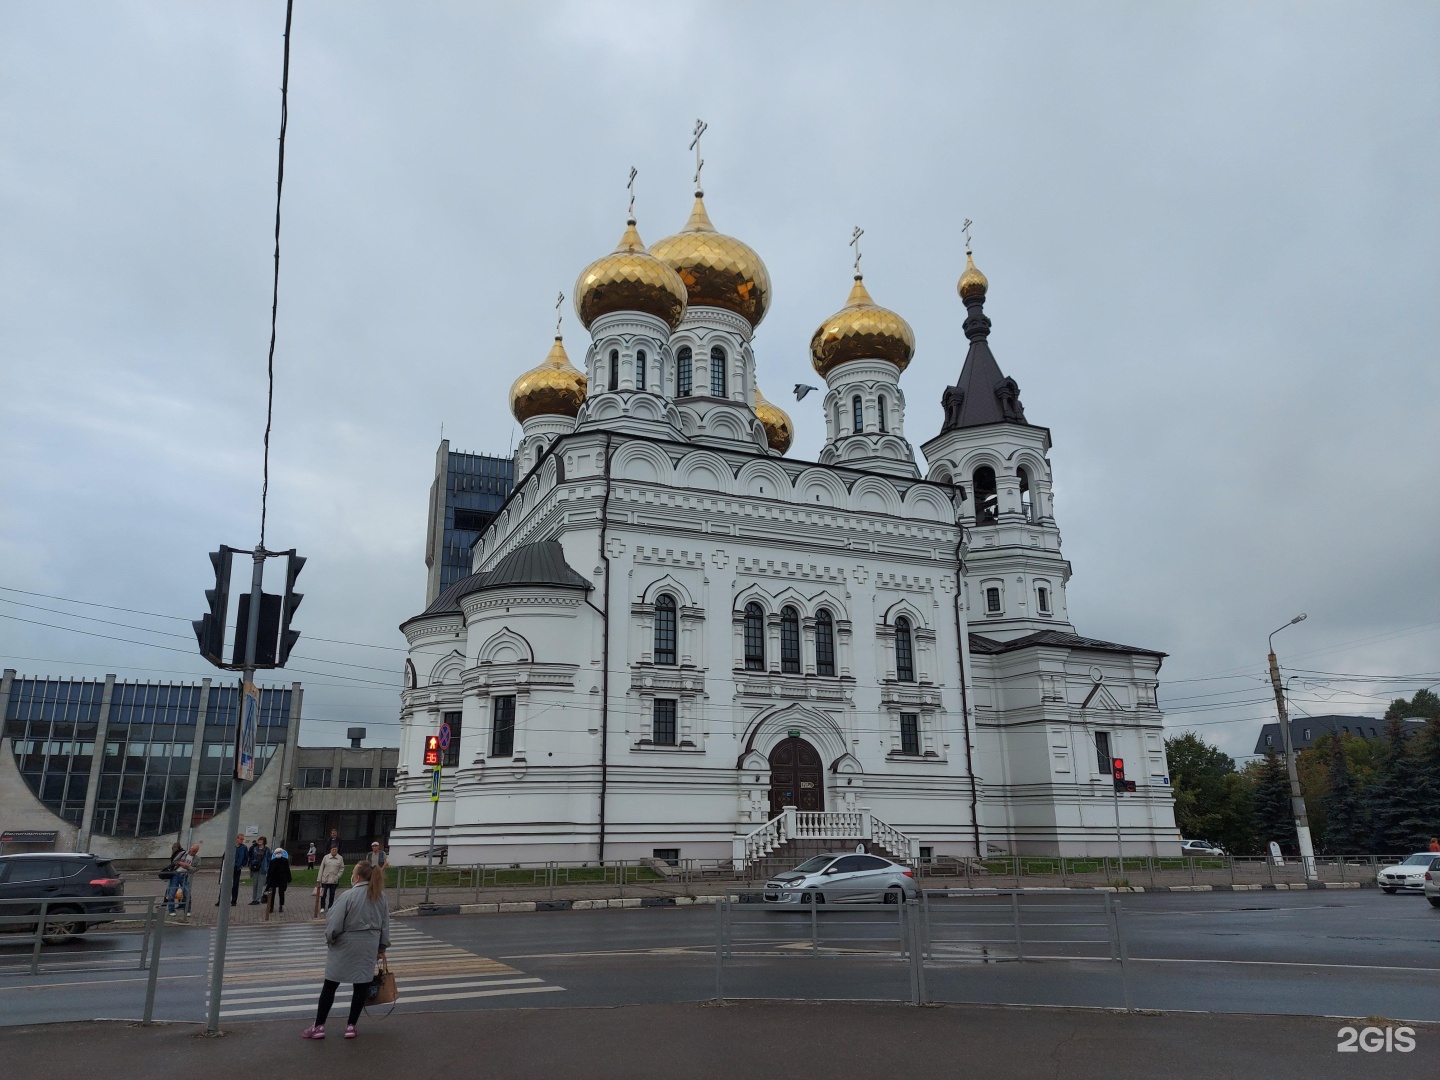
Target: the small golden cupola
pixel 630 279
pixel 718 270
pixel 861 330
pixel 779 431
pixel 972 282
pixel 554 387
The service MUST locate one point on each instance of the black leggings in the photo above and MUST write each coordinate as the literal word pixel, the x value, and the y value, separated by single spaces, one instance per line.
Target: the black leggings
pixel 327 998
pixel 327 896
pixel 279 892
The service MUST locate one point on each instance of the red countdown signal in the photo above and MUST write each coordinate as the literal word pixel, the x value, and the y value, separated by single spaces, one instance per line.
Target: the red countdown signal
pixel 1117 767
pixel 432 750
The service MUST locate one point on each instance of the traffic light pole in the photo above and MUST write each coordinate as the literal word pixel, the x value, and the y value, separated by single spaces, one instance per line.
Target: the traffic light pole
pixel 1119 843
pixel 434 814
pixel 222 925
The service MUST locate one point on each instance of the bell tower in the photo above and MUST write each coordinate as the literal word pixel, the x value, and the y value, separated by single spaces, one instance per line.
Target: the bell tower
pixel 1015 575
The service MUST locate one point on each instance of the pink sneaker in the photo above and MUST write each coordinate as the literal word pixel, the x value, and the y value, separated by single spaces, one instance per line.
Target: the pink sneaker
pixel 314 1031
pixel 349 1031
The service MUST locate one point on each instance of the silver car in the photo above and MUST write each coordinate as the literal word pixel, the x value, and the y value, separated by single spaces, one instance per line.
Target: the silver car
pixel 842 878
pixel 1407 876
pixel 1432 881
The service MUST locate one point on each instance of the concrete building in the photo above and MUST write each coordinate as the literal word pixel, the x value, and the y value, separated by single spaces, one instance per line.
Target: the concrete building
pixel 125 769
pixel 676 642
pixel 343 788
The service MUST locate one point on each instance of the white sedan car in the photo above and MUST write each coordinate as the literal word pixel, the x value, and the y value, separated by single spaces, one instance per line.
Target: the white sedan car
pixel 1432 881
pixel 1407 876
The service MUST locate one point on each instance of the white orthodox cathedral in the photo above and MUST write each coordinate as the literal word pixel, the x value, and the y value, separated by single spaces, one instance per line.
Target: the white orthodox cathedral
pixel 678 642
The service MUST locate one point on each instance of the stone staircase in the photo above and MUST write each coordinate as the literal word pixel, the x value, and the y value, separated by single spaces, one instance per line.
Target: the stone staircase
pixel 795 835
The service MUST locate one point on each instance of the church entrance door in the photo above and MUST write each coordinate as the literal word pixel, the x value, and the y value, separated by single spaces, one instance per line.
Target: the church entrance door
pixel 796 777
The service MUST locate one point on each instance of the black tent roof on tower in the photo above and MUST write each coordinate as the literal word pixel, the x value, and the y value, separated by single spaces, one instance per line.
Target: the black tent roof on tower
pixel 983 394
pixel 541 563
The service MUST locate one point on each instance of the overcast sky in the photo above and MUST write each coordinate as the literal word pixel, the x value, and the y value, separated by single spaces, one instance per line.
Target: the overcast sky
pixel 1211 233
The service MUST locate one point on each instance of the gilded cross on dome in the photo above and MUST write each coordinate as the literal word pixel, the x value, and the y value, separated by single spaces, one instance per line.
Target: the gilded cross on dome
pixel 855 243
pixel 966 230
pixel 559 299
pixel 700 128
pixel 630 187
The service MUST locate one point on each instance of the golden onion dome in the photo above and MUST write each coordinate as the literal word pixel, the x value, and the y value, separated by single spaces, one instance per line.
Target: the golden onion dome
pixel 779 432
pixel 718 270
pixel 861 330
pixel 972 282
pixel 630 279
pixel 555 387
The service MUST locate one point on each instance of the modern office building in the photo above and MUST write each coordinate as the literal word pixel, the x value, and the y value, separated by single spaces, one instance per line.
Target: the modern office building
pixel 165 755
pixel 347 789
pixel 468 490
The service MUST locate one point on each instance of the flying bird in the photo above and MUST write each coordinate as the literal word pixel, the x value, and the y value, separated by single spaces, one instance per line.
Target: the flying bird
pixel 801 390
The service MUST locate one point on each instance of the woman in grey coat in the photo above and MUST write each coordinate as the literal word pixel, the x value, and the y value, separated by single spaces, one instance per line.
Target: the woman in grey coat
pixel 357 933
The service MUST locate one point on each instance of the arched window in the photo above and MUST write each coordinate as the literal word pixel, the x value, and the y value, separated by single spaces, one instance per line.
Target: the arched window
pixel 882 425
pixel 614 369
pixel 684 372
pixel 640 370
pixel 790 641
pixel 1026 505
pixel 717 371
pixel 857 413
pixel 987 498
pixel 837 419
pixel 665 629
pixel 754 637
pixel 824 643
pixel 904 651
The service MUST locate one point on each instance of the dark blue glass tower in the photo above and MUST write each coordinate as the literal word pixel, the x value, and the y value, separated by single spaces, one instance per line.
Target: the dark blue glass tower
pixel 468 491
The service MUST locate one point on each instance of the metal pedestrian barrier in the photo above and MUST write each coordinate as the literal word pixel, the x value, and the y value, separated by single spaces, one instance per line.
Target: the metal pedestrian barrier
pixel 41 928
pixel 939 929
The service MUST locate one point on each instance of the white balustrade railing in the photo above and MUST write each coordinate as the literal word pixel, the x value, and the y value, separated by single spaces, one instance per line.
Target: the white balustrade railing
pixel 838 825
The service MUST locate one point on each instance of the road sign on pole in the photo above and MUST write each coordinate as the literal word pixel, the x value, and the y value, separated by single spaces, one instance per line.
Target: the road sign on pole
pixel 248 729
pixel 444 736
pixel 435 785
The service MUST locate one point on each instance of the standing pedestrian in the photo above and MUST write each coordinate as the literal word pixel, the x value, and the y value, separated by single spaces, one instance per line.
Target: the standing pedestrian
pixel 331 867
pixel 242 858
pixel 310 856
pixel 277 878
pixel 259 868
pixel 180 883
pixel 169 875
pixel 377 856
pixel 357 934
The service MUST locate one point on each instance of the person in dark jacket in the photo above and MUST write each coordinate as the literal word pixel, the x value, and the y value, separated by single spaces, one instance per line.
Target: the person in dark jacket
pixel 277 878
pixel 242 857
pixel 259 868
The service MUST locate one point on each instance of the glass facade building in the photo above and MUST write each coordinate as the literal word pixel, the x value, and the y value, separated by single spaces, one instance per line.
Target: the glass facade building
pixel 165 751
pixel 468 491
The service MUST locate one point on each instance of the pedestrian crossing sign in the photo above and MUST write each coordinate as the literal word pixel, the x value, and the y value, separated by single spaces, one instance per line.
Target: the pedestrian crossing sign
pixel 435 785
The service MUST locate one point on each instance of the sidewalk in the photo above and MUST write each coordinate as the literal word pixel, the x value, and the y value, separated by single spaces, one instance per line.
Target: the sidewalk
pixel 837 1041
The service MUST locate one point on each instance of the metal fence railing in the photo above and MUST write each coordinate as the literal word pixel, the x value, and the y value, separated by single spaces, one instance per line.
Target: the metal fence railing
pixel 38 924
pixel 999 871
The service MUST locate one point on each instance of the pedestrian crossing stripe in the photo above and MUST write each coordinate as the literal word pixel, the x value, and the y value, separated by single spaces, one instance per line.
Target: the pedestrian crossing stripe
pixel 273 971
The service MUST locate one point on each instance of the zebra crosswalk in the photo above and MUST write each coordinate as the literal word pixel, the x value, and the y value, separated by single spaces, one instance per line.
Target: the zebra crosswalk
pixel 277 971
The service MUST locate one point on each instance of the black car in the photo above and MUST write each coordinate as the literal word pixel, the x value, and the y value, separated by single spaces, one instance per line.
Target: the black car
pixel 70 882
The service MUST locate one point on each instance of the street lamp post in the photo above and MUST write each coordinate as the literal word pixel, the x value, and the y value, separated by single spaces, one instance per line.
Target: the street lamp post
pixel 1297 800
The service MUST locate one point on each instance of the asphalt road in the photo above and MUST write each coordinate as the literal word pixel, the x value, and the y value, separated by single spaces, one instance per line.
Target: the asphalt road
pixel 1329 953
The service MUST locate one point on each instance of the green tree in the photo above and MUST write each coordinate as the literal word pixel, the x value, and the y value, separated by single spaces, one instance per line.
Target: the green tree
pixel 1425 705
pixel 1212 800
pixel 1398 799
pixel 1274 819
pixel 1347 831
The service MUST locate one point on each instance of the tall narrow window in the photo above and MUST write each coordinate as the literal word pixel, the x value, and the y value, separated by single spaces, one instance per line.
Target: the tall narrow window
pixel 992 601
pixel 1102 753
pixel 857 413
pixel 502 730
pixel 640 370
pixel 1026 506
pixel 684 372
pixel 663 730
pixel 717 371
pixel 987 498
pixel 904 651
pixel 614 369
pixel 790 641
pixel 1042 596
pixel 880 416
pixel 754 637
pixel 909 733
pixel 452 753
pixel 824 643
pixel 665 629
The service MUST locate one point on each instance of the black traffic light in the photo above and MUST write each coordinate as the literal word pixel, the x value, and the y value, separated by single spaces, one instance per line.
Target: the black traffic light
pixel 266 632
pixel 432 750
pixel 288 638
pixel 1117 769
pixel 210 629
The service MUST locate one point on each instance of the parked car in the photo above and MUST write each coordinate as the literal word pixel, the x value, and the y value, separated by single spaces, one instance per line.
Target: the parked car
pixel 841 878
pixel 75 885
pixel 1407 876
pixel 1200 848
pixel 1431 879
